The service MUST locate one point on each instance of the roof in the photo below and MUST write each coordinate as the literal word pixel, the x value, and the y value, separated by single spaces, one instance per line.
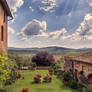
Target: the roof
pixel 85 58
pixel 6 7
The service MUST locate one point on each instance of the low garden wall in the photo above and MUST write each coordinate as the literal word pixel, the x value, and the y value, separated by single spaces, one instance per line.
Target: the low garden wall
pixel 37 68
pixel 44 68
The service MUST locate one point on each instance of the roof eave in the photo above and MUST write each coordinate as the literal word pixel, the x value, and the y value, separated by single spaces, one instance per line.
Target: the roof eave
pixel 7 9
pixel 80 61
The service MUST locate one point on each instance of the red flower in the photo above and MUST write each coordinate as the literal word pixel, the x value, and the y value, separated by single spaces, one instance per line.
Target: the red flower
pixel 25 90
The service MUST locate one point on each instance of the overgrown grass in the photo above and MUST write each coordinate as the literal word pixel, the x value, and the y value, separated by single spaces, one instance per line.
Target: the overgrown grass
pixel 55 86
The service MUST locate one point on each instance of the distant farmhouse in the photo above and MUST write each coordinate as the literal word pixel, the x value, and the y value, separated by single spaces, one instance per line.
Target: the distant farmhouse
pixel 80 66
pixel 4 14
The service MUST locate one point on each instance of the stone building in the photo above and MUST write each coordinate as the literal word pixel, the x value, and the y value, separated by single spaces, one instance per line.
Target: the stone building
pixel 4 15
pixel 80 66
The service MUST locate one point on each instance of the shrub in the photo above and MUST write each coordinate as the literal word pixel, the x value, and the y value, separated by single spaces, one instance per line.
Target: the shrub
pixel 60 73
pixel 51 70
pixel 56 68
pixel 47 79
pixel 37 78
pixel 66 76
pixel 73 84
pixel 4 69
pixel 89 89
pixel 12 79
pixel 19 75
pixel 3 90
pixel 43 59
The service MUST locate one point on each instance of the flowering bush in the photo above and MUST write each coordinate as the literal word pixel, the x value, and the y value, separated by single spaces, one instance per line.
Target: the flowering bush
pixel 43 59
pixel 37 78
pixel 47 79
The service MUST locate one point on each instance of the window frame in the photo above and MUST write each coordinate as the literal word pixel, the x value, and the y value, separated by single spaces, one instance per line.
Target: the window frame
pixel 2 33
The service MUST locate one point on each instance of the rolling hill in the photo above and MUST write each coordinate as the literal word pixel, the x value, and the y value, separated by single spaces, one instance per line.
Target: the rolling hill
pixel 52 50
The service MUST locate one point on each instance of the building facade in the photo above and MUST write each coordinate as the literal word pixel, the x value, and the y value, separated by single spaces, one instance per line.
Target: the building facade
pixel 80 66
pixel 4 14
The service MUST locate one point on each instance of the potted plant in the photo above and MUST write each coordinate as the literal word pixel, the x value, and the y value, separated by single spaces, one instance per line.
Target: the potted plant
pixel 51 72
pixel 66 78
pixel 34 66
pixel 37 78
pixel 47 78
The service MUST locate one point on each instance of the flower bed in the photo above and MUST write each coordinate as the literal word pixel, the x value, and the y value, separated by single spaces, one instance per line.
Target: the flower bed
pixel 47 79
pixel 37 78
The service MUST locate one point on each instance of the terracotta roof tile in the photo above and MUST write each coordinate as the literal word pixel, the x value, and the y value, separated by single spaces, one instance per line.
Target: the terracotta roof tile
pixel 86 58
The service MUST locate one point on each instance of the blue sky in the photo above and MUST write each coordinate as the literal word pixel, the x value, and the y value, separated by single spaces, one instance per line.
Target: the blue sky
pixel 42 23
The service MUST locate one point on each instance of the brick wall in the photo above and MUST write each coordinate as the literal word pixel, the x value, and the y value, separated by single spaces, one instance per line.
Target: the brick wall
pixel 3 44
pixel 87 68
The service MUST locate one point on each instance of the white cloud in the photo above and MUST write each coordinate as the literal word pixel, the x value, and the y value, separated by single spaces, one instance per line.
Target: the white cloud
pixel 23 39
pixel 31 8
pixel 34 28
pixel 37 28
pixel 15 4
pixel 11 30
pixel 84 31
pixel 57 34
pixel 48 5
pixel 90 4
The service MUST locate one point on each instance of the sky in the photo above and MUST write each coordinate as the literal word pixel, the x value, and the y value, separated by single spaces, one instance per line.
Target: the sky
pixel 43 23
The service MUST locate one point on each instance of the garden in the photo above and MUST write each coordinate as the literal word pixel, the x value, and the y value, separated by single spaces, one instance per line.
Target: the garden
pixel 39 73
pixel 28 82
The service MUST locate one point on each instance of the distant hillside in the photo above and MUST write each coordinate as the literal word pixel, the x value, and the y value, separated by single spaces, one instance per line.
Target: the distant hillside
pixel 52 50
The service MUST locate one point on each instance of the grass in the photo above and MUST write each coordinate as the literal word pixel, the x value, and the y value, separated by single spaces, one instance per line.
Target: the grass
pixel 55 86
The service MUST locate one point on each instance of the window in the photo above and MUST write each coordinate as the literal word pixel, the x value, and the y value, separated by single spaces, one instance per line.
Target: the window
pixel 2 33
pixel 83 67
pixel 4 17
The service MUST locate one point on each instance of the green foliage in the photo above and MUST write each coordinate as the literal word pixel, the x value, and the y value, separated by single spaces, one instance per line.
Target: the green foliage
pixel 89 89
pixel 55 86
pixel 21 60
pixel 4 68
pixel 34 65
pixel 13 76
pixel 8 69
pixel 3 90
pixel 56 68
pixel 51 70
pixel 73 84
pixel 66 76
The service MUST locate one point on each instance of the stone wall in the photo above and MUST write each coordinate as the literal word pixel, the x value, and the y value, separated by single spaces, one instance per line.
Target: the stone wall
pixel 86 68
pixel 3 44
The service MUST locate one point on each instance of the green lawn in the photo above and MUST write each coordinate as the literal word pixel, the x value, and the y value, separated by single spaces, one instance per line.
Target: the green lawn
pixel 55 86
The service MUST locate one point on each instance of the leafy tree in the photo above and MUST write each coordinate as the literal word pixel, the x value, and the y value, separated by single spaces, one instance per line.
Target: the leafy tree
pixel 4 68
pixel 21 60
pixel 43 59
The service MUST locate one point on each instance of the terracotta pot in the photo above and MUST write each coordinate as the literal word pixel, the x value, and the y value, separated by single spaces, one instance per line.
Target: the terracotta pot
pixel 51 73
pixel 66 83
